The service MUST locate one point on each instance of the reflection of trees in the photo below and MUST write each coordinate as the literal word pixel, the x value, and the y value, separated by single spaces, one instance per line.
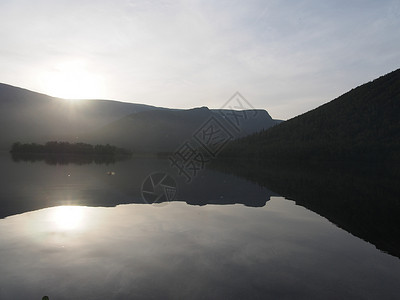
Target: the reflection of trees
pixel 363 199
pixel 65 159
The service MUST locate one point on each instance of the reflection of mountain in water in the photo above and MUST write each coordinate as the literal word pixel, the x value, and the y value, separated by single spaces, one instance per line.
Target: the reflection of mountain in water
pixel 362 199
pixel 31 186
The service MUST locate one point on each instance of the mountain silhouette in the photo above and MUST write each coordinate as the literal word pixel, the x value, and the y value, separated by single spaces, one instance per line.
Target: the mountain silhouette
pixel 27 116
pixel 165 130
pixel 362 125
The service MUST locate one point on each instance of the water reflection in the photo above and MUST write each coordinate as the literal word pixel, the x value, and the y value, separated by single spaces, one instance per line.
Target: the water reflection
pixel 67 217
pixel 363 199
pixel 267 247
pixel 178 251
pixel 31 186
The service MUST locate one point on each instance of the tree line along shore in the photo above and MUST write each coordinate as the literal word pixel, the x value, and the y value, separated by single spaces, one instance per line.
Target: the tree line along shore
pixel 56 147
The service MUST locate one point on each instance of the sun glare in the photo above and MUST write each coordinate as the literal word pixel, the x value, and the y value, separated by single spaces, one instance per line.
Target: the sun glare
pixel 68 217
pixel 72 80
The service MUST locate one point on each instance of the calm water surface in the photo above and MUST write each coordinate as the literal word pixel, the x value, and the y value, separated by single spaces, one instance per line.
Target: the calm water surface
pixel 74 232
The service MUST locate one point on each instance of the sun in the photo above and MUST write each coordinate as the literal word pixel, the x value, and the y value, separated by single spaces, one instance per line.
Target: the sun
pixel 72 80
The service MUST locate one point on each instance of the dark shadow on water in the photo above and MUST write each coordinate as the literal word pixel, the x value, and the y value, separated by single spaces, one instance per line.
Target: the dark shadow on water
pixel 363 199
pixel 27 186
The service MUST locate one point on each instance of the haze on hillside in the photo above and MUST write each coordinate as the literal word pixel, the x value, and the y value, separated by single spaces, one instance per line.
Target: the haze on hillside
pixel 29 117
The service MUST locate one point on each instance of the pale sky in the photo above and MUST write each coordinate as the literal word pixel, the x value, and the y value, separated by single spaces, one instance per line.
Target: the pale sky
pixel 284 56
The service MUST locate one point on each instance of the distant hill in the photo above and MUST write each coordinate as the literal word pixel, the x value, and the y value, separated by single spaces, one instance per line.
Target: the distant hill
pixel 165 130
pixel 27 116
pixel 363 124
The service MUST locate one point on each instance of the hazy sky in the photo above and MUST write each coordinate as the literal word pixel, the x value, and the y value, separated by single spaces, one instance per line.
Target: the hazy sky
pixel 284 56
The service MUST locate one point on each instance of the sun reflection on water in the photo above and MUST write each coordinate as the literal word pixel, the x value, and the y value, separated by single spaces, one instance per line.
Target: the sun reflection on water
pixel 67 217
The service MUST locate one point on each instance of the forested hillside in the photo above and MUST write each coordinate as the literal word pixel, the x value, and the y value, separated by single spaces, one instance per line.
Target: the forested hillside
pixel 363 124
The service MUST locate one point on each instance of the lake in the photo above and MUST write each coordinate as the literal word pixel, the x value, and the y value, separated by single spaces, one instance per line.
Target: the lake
pixel 97 230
